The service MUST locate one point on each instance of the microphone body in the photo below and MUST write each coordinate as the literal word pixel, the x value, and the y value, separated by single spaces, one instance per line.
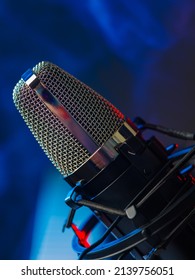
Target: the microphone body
pixel 93 145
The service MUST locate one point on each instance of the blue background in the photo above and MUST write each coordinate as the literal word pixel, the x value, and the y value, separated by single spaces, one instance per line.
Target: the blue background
pixel 138 54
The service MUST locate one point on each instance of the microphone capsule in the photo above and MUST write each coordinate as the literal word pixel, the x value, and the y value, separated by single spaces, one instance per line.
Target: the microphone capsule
pixel 69 120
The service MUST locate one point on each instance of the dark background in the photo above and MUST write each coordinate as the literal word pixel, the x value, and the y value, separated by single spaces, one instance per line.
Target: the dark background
pixel 139 54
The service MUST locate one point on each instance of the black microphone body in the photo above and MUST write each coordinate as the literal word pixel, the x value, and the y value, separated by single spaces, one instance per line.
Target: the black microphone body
pixel 105 156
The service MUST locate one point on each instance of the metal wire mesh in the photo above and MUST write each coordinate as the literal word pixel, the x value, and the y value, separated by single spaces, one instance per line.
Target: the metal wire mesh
pixel 94 113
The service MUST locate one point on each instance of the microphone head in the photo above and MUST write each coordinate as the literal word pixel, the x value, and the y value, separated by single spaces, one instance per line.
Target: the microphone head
pixel 98 117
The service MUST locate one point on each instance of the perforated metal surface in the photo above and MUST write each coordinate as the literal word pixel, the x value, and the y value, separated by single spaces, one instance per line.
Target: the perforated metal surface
pixel 95 114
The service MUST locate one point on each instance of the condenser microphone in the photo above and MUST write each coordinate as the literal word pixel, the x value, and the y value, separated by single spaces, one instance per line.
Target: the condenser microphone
pixel 104 157
pixel 69 120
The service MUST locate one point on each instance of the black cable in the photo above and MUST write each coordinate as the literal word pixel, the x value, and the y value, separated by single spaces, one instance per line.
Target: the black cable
pixel 175 209
pixel 178 194
pixel 183 222
pixel 169 131
pixel 99 241
pixel 100 207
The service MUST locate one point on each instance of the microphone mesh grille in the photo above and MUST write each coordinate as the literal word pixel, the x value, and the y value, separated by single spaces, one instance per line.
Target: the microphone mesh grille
pixel 94 113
